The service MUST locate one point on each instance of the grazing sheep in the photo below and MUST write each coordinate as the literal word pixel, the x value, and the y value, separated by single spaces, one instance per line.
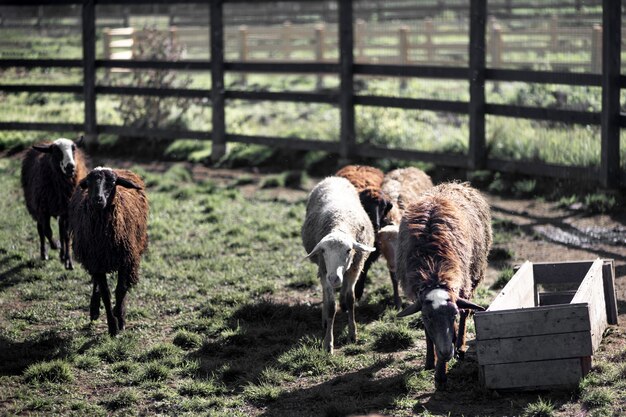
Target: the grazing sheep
pixel 401 186
pixel 108 218
pixel 50 173
pixel 338 237
pixel 443 243
pixel 368 181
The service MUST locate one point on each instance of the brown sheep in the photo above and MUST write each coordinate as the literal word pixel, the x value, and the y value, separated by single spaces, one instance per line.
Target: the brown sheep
pixel 443 243
pixel 401 186
pixel 108 218
pixel 368 181
pixel 50 173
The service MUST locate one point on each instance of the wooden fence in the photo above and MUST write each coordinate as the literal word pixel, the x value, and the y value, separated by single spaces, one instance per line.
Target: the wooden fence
pixel 265 13
pixel 476 72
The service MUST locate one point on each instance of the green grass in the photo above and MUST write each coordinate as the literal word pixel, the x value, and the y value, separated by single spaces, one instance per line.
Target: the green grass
pixel 540 408
pixel 56 371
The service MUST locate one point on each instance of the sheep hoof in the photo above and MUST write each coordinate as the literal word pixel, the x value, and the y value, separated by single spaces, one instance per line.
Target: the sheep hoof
pixel 69 266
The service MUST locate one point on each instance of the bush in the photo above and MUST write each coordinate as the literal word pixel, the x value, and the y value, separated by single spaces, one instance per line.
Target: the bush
pixel 54 371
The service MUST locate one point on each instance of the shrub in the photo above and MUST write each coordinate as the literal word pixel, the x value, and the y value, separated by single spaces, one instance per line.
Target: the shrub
pixel 54 371
pixel 540 408
pixel 503 278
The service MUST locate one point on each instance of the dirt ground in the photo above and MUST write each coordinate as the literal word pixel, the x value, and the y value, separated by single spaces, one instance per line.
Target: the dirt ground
pixel 548 233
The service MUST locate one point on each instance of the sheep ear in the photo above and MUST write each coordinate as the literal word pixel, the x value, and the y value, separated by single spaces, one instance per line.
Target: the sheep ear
pixel 315 250
pixel 468 305
pixel 83 183
pixel 412 309
pixel 80 142
pixel 126 183
pixel 43 148
pixel 362 248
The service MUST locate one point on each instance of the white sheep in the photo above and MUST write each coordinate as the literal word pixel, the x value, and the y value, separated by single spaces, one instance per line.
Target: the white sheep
pixel 338 236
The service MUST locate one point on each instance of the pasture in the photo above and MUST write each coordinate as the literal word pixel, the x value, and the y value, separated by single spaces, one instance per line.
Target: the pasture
pixel 226 319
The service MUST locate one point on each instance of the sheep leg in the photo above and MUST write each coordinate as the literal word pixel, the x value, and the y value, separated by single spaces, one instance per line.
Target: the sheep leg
pixel 430 353
pixel 106 299
pixel 94 307
pixel 66 255
pixel 43 250
pixel 360 284
pixel 351 320
pixel 120 299
pixel 328 310
pixel 440 374
pixel 48 232
pixel 396 294
pixel 460 339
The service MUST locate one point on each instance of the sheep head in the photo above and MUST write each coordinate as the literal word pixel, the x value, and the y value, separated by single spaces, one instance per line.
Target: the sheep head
pixel 440 309
pixel 62 151
pixel 337 250
pixel 101 183
pixel 376 205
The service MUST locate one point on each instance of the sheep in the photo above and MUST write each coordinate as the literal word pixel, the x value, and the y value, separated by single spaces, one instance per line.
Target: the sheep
pixel 108 219
pixel 368 181
pixel 401 186
pixel 443 243
pixel 337 236
pixel 50 173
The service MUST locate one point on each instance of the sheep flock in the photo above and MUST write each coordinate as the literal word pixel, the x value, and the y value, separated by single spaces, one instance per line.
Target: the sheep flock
pixel 434 239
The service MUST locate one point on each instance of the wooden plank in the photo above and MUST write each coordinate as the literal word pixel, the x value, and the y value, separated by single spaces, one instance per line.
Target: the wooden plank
pixel 189 65
pixel 39 63
pixel 282 68
pixel 537 168
pixel 533 375
pixel 544 77
pixel 413 103
pixel 531 322
pixel 157 92
pixel 560 272
pixel 518 292
pixel 286 142
pixel 608 276
pixel 331 98
pixel 41 88
pixel 477 145
pixel 542 113
pixel 52 127
pixel 157 133
pixel 423 71
pixel 591 291
pixel 447 159
pixel 611 61
pixel 529 348
pixel 556 297
pixel 347 131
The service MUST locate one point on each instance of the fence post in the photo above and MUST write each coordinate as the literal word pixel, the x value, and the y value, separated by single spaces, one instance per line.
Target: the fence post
pixel 403 50
pixel 360 33
pixel 610 117
pixel 477 149
pixel 596 49
pixel 243 50
pixel 286 40
pixel 218 133
pixel 319 52
pixel 89 71
pixel 346 75
pixel 429 27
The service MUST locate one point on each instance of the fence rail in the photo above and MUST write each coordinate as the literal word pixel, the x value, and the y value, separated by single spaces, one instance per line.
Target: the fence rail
pixel 477 73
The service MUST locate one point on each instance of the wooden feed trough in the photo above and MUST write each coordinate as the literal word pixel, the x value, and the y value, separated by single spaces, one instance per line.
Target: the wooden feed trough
pixel 546 323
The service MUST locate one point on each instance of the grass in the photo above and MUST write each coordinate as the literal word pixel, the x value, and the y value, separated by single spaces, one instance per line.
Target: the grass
pixel 540 408
pixel 226 318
